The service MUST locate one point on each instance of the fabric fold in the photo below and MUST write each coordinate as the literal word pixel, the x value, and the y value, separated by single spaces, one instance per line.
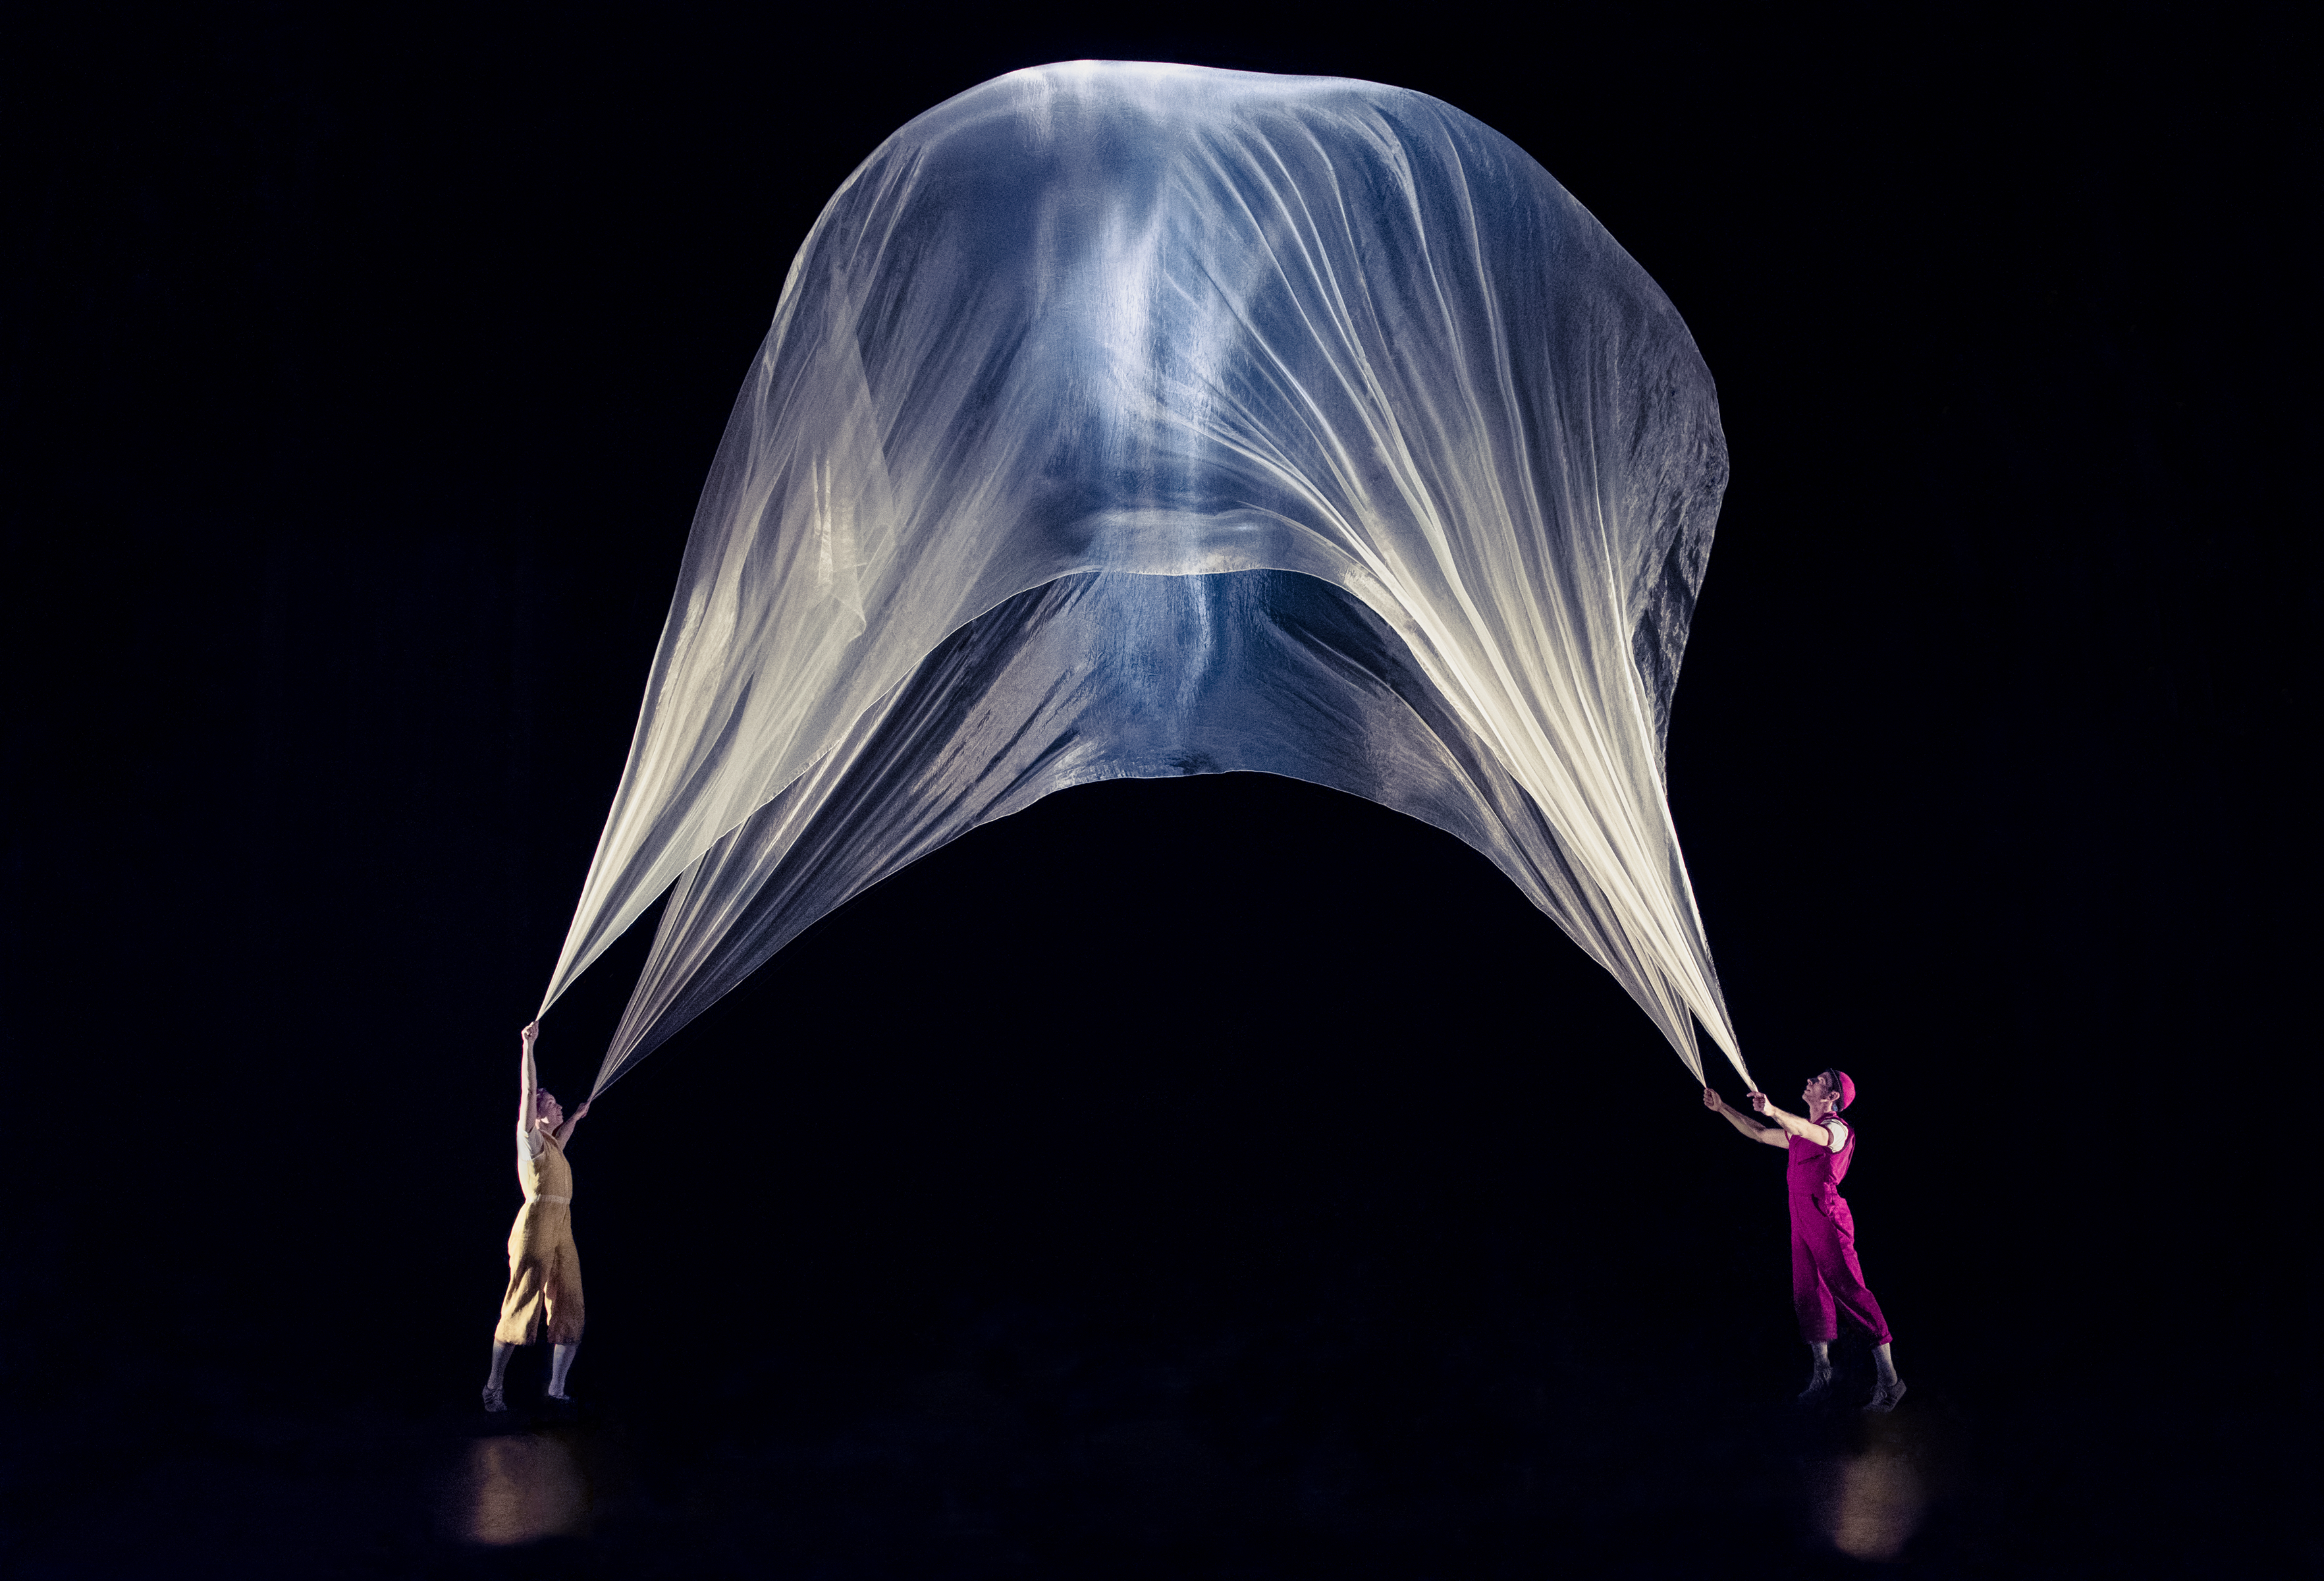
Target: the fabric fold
pixel 1134 420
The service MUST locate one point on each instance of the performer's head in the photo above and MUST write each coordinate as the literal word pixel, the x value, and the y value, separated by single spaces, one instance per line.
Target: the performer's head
pixel 1828 1087
pixel 545 1105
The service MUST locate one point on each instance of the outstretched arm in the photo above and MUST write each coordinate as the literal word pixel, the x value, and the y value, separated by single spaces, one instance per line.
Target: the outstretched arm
pixel 572 1123
pixel 527 1084
pixel 1792 1123
pixel 1771 1136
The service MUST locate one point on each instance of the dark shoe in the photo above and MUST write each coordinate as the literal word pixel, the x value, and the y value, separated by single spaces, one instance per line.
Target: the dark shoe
pixel 1818 1387
pixel 492 1399
pixel 1884 1397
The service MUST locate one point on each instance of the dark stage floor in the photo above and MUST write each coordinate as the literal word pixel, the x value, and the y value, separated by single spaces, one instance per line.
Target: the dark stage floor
pixel 1042 1441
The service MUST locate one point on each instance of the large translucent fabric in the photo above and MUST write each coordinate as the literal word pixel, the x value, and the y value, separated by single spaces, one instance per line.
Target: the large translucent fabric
pixel 1127 419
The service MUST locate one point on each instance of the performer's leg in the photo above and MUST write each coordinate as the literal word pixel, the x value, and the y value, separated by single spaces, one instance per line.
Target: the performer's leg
pixel 565 1315
pixel 560 1362
pixel 1819 1375
pixel 1809 1299
pixel 1813 1303
pixel 1832 1241
pixel 1888 1388
pixel 520 1322
pixel 521 1307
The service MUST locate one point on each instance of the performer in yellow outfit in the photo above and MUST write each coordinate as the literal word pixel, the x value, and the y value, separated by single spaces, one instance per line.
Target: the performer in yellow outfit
pixel 544 1268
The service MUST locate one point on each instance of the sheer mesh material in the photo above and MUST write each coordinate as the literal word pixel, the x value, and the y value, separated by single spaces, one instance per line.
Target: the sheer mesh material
pixel 1126 419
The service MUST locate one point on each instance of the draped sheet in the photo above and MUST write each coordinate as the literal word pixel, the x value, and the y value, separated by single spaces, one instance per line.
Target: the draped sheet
pixel 1130 420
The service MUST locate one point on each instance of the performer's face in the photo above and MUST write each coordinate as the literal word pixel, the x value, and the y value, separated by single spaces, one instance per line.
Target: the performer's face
pixel 551 1115
pixel 1819 1088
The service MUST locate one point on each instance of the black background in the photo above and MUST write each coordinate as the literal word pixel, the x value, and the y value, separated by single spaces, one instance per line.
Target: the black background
pixel 1213 1176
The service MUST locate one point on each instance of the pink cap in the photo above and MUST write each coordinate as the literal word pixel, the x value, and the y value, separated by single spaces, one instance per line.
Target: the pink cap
pixel 1847 1087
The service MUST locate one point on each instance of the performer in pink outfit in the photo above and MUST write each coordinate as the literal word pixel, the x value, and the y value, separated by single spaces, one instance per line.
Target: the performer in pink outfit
pixel 1825 1273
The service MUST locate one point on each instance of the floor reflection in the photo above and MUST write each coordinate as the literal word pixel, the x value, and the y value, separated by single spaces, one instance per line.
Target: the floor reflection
pixel 521 1487
pixel 1873 1504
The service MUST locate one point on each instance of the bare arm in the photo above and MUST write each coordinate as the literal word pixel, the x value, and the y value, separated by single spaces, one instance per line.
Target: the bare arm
pixel 572 1123
pixel 527 1084
pixel 1772 1135
pixel 1806 1130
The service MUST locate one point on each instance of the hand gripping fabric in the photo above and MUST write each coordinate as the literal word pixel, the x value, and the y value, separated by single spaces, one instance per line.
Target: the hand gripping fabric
pixel 1128 419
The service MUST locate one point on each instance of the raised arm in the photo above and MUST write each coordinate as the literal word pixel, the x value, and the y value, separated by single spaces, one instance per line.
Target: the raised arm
pixel 1792 1125
pixel 527 1084
pixel 572 1123
pixel 1772 1135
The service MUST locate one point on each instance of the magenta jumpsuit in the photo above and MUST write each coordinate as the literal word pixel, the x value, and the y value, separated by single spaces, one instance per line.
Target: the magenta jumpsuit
pixel 1824 1269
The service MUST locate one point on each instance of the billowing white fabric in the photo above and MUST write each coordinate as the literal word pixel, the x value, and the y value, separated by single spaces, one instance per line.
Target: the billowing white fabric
pixel 1127 419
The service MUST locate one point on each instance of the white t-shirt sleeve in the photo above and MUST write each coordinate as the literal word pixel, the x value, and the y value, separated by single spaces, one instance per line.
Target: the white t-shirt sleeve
pixel 1839 1129
pixel 528 1144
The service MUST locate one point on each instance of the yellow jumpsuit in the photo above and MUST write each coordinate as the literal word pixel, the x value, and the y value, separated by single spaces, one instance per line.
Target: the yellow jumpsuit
pixel 544 1268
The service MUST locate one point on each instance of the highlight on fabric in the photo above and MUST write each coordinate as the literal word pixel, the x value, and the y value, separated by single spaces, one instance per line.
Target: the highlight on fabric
pixel 1134 420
